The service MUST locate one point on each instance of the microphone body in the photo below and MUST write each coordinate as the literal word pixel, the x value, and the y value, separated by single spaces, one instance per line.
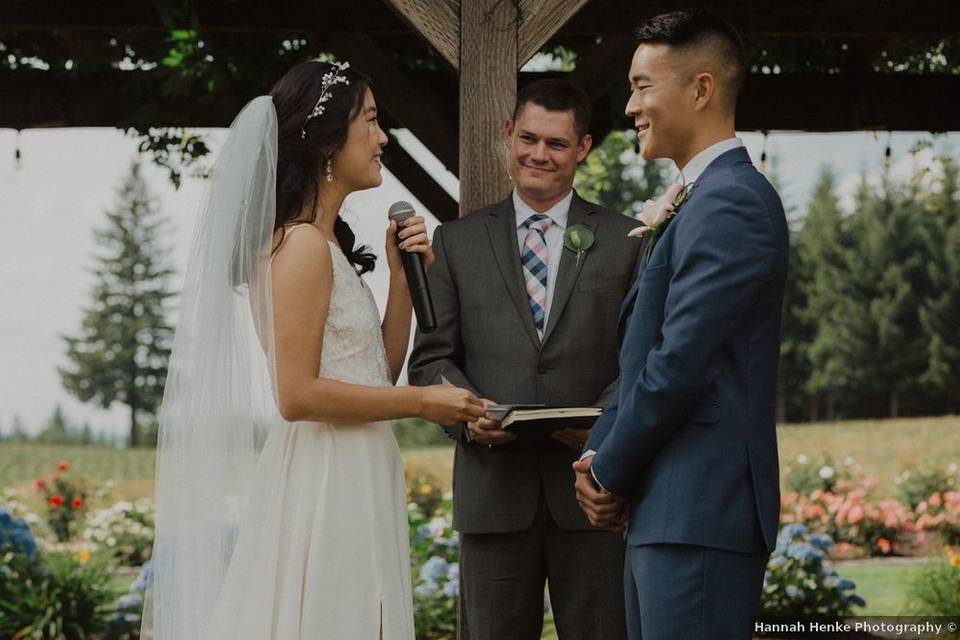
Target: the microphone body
pixel 414 272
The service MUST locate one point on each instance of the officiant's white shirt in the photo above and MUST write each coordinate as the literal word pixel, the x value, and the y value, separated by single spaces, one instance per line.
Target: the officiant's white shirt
pixel 559 213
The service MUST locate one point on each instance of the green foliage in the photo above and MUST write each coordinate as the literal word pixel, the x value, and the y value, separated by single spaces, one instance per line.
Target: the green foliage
pixel 55 598
pixel 435 553
pixel 798 583
pixel 415 432
pixel 805 475
pixel 121 351
pixel 935 591
pixel 916 484
pixel 615 176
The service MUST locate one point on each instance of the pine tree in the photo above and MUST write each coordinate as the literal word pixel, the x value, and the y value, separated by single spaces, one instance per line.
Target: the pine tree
pixel 121 351
pixel 57 429
pixel 940 311
pixel 18 432
pixel 883 340
pixel 821 249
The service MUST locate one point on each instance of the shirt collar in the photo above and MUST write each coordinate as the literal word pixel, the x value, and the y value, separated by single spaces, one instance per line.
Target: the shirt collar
pixel 693 169
pixel 558 212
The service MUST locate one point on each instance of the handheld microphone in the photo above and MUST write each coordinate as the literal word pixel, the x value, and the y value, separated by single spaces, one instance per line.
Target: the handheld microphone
pixel 413 269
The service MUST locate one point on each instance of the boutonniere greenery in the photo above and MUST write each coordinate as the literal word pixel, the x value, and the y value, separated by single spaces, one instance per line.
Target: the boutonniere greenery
pixel 657 214
pixel 578 238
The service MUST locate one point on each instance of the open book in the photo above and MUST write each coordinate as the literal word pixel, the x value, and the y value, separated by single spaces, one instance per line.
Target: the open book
pixel 533 424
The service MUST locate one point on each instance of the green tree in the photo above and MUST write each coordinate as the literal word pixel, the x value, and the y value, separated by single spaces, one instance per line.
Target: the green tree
pixel 121 351
pixel 883 340
pixel 940 311
pixel 820 253
pixel 615 176
pixel 57 428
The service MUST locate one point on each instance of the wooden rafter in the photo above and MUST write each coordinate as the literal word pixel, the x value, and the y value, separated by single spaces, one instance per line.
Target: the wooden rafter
pixel 436 21
pixel 539 20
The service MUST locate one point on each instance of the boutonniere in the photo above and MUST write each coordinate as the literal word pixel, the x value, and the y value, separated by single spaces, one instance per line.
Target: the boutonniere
pixel 657 214
pixel 578 238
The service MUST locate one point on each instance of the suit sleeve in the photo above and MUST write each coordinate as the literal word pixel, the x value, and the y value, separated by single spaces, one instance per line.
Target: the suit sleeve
pixel 441 351
pixel 727 251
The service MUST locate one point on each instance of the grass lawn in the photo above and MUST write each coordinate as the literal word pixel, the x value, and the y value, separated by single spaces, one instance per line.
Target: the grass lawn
pixel 882 584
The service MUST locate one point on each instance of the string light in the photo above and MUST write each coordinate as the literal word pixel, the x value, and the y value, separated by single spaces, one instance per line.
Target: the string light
pixel 763 154
pixel 17 155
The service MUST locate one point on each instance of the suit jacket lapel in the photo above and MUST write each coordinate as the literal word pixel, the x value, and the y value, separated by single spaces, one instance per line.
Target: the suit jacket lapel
pixel 502 227
pixel 581 212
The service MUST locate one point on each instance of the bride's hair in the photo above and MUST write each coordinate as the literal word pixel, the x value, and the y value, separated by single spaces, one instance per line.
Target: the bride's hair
pixel 300 157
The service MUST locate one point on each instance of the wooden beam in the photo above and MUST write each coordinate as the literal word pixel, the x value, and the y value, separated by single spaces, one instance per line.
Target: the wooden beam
pixel 837 102
pixel 436 21
pixel 412 104
pixel 539 21
pixel 488 90
pixel 849 18
pixel 420 183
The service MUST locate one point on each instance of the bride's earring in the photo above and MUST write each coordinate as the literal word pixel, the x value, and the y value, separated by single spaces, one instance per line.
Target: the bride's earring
pixel 329 170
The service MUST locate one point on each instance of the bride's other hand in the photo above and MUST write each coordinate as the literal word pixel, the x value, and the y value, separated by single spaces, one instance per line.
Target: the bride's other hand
pixel 447 405
pixel 413 238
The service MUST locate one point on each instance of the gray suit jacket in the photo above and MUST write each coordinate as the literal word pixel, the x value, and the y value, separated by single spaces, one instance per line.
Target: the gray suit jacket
pixel 486 342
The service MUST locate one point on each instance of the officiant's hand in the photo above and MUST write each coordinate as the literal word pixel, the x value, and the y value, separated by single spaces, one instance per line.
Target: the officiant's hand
pixel 413 238
pixel 487 430
pixel 603 509
pixel 573 438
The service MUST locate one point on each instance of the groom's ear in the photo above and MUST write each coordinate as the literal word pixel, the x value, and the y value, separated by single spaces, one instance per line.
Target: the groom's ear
pixel 705 85
pixel 508 132
pixel 583 147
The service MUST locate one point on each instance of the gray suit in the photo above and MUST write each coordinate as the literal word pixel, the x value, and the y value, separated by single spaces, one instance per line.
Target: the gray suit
pixel 516 510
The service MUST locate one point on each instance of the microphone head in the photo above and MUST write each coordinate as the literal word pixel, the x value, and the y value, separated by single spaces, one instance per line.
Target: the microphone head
pixel 400 211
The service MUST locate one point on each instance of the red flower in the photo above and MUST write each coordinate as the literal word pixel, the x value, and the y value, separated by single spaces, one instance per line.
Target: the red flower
pixel 39 484
pixel 884 545
pixel 62 466
pixel 76 503
pixel 56 501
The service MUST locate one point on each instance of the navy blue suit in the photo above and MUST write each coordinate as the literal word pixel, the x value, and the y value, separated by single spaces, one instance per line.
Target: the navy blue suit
pixel 690 439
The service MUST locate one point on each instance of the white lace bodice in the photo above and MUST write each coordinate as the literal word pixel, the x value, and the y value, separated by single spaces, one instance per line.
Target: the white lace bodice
pixel 353 348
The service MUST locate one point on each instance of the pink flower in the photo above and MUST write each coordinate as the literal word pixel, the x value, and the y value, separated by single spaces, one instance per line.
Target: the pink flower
pixel 62 466
pixel 656 212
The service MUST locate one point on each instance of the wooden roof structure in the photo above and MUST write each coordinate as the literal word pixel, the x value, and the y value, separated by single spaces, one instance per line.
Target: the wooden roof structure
pixel 448 70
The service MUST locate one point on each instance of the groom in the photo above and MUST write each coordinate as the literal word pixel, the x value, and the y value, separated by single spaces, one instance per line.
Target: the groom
pixel 524 319
pixel 687 451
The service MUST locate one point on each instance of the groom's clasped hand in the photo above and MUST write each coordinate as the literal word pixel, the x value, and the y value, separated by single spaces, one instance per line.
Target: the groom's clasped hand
pixel 603 509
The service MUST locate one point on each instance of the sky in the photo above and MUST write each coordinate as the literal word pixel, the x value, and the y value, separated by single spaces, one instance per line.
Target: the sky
pixel 66 179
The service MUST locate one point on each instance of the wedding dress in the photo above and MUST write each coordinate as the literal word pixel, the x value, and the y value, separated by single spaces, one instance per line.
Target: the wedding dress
pixel 323 550
pixel 266 529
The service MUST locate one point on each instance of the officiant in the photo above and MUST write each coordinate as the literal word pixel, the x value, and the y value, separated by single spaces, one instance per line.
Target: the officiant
pixel 527 293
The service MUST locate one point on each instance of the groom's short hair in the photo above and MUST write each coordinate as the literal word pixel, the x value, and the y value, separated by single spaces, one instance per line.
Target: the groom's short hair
pixel 556 94
pixel 699 29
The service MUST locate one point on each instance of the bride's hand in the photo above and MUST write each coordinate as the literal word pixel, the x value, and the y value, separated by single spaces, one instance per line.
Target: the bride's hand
pixel 413 238
pixel 447 405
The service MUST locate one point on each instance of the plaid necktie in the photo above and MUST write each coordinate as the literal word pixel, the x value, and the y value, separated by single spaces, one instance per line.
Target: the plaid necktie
pixel 534 260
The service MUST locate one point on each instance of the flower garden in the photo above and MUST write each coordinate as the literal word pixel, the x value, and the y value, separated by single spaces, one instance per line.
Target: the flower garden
pixel 74 550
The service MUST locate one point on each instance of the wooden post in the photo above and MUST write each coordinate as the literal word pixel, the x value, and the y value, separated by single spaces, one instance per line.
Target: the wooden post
pixel 488 89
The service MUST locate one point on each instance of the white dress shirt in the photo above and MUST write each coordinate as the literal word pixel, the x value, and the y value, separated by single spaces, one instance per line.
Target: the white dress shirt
pixel 693 169
pixel 553 236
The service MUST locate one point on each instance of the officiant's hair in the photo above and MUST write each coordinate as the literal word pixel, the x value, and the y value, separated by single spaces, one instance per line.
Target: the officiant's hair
pixel 701 29
pixel 300 156
pixel 555 94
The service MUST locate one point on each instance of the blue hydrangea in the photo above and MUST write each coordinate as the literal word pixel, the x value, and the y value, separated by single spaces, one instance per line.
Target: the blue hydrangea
pixel 856 600
pixel 130 601
pixel 793 530
pixel 843 584
pixel 821 541
pixel 792 591
pixel 144 578
pixel 16 533
pixel 453 572
pixel 452 589
pixel 426 589
pixel 777 561
pixel 434 569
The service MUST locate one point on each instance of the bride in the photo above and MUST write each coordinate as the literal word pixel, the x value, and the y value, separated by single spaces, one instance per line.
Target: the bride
pixel 281 509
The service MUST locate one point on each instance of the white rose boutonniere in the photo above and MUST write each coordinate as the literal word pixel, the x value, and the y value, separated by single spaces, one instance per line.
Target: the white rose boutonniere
pixel 657 214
